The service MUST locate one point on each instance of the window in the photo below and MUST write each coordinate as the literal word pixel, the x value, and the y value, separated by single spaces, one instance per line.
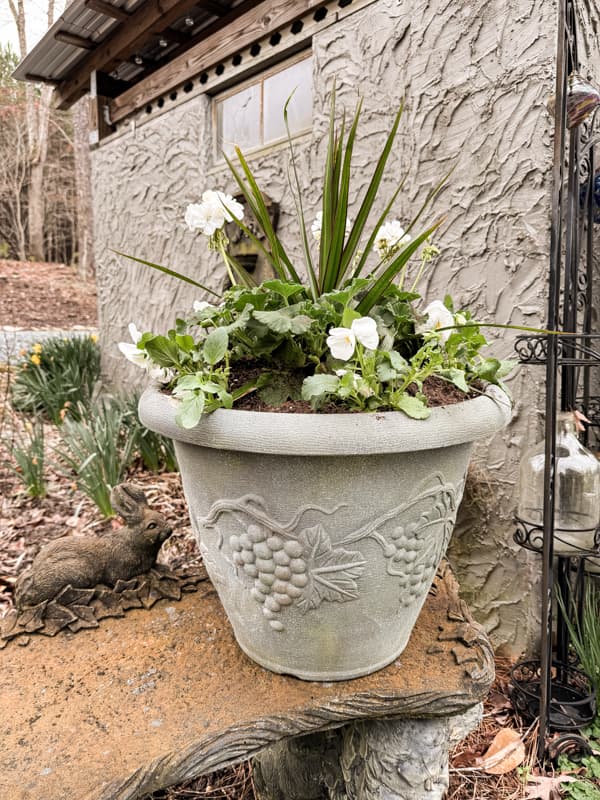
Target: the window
pixel 252 116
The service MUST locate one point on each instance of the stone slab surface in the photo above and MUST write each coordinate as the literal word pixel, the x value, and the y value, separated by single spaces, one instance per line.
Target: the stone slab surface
pixel 159 696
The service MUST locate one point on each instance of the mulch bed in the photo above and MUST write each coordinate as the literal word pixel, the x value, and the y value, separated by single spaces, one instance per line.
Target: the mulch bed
pixel 38 296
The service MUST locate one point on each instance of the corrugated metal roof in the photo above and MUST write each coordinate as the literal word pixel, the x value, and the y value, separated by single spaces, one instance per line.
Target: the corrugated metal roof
pixel 53 60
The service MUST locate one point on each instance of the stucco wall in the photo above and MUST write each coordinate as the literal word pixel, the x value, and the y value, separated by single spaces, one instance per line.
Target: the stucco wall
pixel 475 77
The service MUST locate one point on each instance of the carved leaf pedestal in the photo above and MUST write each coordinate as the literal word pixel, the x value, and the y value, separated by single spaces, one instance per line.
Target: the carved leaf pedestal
pixel 322 532
pixel 160 695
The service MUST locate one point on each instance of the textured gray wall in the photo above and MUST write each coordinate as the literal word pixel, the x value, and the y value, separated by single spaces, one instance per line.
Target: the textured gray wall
pixel 476 76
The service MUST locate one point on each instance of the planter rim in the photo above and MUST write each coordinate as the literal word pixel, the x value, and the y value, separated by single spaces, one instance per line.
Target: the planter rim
pixel 330 434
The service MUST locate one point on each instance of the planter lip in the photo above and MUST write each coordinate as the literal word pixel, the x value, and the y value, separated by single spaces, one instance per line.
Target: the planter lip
pixel 330 434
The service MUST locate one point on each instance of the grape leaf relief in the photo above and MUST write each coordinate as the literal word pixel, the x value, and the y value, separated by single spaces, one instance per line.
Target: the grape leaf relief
pixel 332 572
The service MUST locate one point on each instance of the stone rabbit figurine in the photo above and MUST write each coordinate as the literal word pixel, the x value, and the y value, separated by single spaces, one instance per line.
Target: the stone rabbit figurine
pixel 85 562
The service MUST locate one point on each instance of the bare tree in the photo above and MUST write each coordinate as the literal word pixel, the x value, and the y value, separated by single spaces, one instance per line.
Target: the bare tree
pixel 37 114
pixel 83 184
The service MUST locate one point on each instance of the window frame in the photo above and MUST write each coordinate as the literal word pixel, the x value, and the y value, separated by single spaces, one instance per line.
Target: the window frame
pixel 258 78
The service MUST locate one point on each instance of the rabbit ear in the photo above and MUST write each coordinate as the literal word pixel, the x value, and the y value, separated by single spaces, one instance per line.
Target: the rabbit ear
pixel 129 501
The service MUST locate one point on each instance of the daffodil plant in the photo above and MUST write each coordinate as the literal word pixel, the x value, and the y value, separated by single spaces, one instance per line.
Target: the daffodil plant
pixel 353 333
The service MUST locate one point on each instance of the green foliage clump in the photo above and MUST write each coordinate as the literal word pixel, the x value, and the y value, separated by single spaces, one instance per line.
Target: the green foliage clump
pixel 281 331
pixel 155 452
pixel 104 443
pixel 97 449
pixel 57 377
pixel 27 458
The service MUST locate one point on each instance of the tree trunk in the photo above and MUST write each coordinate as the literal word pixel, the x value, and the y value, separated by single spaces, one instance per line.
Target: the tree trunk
pixel 83 184
pixel 35 195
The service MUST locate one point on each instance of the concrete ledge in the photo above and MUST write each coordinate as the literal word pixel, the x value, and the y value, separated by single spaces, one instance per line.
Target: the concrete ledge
pixel 159 696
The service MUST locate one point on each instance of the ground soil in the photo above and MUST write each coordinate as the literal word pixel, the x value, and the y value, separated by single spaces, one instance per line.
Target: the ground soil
pixel 39 296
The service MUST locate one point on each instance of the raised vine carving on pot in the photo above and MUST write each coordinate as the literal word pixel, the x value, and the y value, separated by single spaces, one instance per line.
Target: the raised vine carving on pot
pixel 292 565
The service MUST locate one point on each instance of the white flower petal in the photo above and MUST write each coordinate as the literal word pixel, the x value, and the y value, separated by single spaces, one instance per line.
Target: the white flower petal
pixel 341 342
pixel 131 353
pixel 134 333
pixel 438 316
pixel 365 330
pixel 200 305
pixel 213 212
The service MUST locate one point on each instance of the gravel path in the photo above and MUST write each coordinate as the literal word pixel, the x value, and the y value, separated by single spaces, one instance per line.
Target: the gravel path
pixel 13 340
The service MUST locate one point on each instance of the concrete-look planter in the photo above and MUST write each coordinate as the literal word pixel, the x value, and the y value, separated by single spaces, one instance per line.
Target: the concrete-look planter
pixel 322 532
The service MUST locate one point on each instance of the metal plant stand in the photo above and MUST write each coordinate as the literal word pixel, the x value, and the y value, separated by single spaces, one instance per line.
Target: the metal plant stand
pixel 552 689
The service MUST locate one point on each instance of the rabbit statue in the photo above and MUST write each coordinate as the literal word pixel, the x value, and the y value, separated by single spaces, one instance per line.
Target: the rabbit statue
pixel 85 562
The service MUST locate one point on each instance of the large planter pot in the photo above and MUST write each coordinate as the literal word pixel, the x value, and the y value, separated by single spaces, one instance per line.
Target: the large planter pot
pixel 322 533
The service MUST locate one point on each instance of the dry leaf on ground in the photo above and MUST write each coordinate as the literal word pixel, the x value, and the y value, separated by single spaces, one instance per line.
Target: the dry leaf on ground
pixel 504 754
pixel 546 788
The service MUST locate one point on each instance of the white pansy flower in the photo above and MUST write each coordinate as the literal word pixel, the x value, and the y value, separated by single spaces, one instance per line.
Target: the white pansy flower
pixel 131 351
pixel 341 342
pixel 201 305
pixel 213 212
pixel 365 330
pixel 437 316
pixel 390 238
pixel 317 226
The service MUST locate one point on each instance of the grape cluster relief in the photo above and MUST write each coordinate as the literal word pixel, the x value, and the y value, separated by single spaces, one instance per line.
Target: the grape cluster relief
pixel 287 564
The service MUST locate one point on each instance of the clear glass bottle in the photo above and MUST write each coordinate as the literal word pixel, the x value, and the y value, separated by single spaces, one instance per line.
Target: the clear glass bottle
pixel 577 487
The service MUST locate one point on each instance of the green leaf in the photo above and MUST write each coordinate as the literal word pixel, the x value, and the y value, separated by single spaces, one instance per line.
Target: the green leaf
pixel 188 383
pixel 283 322
pixel 215 346
pixel 506 366
pixel 190 411
pixel 319 385
pixel 283 288
pixel 488 369
pixel 348 317
pixel 279 390
pixel 163 351
pixel 397 361
pixel 457 377
pixel 413 407
pixel 168 271
pixel 369 198
pixel 385 372
pixel 185 342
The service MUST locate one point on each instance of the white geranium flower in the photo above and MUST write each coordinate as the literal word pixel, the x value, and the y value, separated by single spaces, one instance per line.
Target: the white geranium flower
pixel 201 305
pixel 131 351
pixel 365 330
pixel 341 342
pixel 213 212
pixel 437 316
pixel 390 238
pixel 317 226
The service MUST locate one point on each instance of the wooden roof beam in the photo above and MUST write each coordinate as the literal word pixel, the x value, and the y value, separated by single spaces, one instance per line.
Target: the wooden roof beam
pixel 121 45
pixel 107 9
pixel 266 17
pixel 75 40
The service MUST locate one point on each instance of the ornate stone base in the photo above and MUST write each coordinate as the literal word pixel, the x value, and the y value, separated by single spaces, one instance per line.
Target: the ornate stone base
pixel 404 759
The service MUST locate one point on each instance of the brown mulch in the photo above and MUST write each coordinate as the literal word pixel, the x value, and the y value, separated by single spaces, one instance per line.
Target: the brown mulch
pixel 39 295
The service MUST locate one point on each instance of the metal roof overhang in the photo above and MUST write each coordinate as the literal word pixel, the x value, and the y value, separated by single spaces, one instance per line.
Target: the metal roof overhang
pixel 86 29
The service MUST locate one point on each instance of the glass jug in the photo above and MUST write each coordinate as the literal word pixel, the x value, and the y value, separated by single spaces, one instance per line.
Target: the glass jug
pixel 577 489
